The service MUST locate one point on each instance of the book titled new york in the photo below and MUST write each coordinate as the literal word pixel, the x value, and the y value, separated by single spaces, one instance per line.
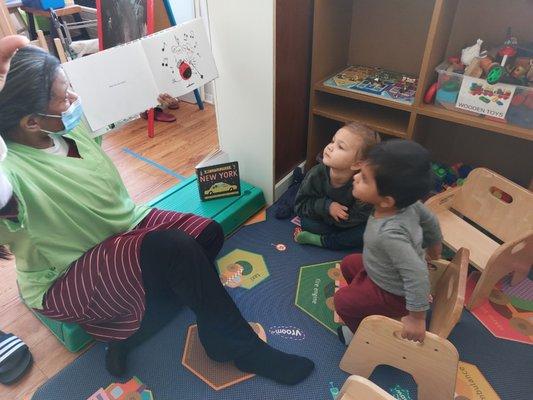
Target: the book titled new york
pixel 218 177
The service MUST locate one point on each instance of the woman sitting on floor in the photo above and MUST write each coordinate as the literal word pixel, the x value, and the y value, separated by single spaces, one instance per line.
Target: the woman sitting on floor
pixel 85 253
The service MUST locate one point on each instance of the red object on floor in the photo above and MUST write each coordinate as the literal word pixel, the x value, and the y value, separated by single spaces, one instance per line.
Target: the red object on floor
pixel 160 115
pixel 174 106
pixel 362 297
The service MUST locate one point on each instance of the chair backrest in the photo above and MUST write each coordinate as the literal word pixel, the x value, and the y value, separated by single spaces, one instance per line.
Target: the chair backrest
pixel 517 254
pixel 359 388
pixel 40 41
pixel 6 25
pixel 514 257
pixel 433 364
pixel 500 206
pixel 60 51
pixel 449 297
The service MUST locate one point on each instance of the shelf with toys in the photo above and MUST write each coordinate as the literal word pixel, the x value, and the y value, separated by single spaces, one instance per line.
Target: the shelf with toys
pixel 362 69
pixel 480 73
pixel 373 85
pixel 493 86
pixel 424 41
pixel 450 142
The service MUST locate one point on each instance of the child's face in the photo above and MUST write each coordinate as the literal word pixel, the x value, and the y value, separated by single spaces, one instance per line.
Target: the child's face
pixel 342 152
pixel 364 186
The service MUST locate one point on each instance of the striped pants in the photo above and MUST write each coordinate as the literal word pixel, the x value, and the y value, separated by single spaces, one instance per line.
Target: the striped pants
pixel 103 291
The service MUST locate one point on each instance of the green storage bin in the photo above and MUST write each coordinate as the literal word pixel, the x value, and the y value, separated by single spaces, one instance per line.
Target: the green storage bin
pixel 73 337
pixel 230 212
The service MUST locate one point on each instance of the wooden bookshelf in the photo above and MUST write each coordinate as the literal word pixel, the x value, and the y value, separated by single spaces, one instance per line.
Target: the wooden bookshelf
pixel 413 37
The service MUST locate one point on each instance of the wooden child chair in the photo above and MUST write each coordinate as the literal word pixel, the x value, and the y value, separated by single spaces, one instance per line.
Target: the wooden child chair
pixel 498 206
pixel 449 294
pixel 359 388
pixel 516 256
pixel 432 364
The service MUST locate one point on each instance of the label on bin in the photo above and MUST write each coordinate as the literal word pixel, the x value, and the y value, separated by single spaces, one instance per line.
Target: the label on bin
pixel 478 96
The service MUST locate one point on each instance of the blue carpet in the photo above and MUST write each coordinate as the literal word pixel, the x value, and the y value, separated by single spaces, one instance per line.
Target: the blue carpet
pixel 157 362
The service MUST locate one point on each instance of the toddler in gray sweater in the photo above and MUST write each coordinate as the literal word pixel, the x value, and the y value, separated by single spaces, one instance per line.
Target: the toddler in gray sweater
pixel 391 277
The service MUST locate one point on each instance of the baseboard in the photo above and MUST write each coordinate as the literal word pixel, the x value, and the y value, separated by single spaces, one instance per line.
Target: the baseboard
pixel 283 184
pixel 209 98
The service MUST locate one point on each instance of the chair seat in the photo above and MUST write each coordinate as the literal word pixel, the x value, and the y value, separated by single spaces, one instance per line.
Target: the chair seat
pixel 458 233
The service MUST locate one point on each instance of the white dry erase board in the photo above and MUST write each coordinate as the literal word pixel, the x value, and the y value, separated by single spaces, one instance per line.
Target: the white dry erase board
pixel 122 81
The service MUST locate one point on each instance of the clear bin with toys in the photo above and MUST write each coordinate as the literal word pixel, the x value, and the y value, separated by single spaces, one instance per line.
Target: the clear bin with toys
pixel 520 98
pixel 495 84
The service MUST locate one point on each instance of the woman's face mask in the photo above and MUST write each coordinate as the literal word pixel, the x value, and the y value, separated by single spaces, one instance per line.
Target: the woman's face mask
pixel 70 118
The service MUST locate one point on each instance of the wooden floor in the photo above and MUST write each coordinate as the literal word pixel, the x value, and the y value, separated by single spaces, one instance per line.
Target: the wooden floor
pixel 178 146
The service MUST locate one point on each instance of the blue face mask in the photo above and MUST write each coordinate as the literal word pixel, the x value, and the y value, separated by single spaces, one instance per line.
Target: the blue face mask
pixel 70 118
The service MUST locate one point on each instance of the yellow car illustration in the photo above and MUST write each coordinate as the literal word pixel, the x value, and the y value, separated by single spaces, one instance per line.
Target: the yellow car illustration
pixel 220 187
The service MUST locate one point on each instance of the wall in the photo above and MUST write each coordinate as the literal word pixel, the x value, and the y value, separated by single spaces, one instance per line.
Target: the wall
pixel 242 38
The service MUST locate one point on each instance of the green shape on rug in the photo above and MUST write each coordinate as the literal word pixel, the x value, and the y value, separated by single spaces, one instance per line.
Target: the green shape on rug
pixel 254 268
pixel 315 290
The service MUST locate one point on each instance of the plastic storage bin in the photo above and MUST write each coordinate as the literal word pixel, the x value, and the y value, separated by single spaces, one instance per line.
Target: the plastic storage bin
pixel 44 4
pixel 520 111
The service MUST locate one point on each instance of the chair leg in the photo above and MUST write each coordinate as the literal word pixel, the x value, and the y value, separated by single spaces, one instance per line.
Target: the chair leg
pixel 488 279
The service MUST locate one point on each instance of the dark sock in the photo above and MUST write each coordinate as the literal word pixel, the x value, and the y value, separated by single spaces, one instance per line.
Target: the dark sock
pixel 115 358
pixel 284 368
pixel 305 237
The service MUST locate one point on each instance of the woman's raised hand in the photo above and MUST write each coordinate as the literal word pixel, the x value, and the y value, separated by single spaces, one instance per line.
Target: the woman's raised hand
pixel 8 47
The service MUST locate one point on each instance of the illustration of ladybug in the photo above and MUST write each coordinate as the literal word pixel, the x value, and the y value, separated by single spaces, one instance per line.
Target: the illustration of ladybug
pixel 185 70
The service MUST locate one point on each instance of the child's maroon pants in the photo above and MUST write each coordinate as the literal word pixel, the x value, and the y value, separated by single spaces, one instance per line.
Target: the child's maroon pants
pixel 362 297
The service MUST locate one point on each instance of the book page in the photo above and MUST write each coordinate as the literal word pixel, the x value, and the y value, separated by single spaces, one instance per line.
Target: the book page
pixel 217 156
pixel 113 84
pixel 180 58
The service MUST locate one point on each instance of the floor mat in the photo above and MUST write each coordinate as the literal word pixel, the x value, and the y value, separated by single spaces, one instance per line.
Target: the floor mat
pixel 157 362
pixel 508 311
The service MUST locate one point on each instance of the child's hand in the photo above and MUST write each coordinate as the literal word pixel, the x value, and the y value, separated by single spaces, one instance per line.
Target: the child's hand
pixel 414 328
pixel 338 211
pixel 434 251
pixel 166 100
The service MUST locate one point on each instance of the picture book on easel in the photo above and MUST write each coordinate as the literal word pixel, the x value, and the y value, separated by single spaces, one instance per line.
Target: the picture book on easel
pixel 122 81
pixel 218 176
